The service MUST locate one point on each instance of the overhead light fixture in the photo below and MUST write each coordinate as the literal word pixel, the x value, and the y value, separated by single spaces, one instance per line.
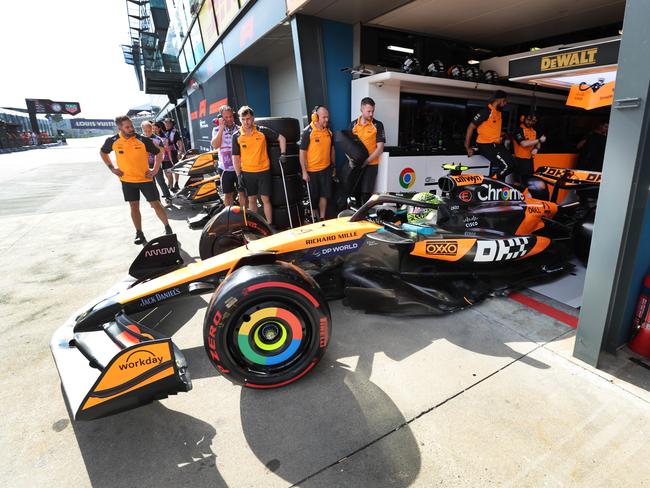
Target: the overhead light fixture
pixel 532 49
pixel 401 49
pixel 473 61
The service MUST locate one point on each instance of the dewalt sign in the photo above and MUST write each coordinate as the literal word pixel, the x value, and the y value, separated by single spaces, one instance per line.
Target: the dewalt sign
pixel 585 57
pixel 603 54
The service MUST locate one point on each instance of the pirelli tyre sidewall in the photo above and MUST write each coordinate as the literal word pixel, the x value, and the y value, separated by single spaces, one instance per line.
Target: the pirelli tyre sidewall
pixel 266 326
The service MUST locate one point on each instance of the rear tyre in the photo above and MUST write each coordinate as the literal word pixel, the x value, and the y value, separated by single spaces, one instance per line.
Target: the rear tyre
pixel 582 237
pixel 281 216
pixel 294 190
pixel 288 127
pixel 350 144
pixel 266 326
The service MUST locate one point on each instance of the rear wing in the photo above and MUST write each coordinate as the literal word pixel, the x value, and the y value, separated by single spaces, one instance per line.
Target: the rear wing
pixel 569 179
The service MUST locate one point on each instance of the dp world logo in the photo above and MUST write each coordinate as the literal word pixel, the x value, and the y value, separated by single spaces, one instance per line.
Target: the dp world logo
pixel 407 178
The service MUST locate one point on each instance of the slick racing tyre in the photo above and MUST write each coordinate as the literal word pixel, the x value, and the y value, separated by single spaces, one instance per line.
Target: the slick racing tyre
pixel 352 146
pixel 294 190
pixel 582 234
pixel 288 127
pixel 281 219
pixel 266 325
pixel 229 229
pixel 292 164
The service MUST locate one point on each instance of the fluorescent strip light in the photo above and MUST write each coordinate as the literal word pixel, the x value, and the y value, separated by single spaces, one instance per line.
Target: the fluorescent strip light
pixel 401 49
pixel 472 61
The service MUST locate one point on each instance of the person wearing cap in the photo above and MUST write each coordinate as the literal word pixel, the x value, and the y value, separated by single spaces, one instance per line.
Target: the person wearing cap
pixel 487 123
pixel 370 132
pixel 317 158
pixel 222 140
pixel 251 160
pixel 526 145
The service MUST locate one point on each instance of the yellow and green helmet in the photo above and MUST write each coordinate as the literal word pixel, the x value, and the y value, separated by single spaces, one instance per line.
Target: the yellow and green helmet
pixel 417 214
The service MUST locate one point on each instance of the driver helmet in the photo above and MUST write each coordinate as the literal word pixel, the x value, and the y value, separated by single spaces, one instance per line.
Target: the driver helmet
pixel 419 215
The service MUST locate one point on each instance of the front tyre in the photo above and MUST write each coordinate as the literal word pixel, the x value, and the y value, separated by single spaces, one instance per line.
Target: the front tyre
pixel 266 326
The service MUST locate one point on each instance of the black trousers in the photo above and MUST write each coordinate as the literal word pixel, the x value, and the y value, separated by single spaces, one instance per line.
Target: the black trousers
pixel 502 162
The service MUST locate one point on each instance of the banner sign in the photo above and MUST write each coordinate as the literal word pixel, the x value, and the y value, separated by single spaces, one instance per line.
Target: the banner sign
pixel 261 18
pixel 595 55
pixel 92 124
pixel 591 97
pixel 46 106
pixel 203 107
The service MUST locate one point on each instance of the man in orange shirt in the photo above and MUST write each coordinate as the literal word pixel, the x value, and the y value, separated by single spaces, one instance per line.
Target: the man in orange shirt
pixel 251 160
pixel 526 146
pixel 487 122
pixel 371 133
pixel 317 158
pixel 132 157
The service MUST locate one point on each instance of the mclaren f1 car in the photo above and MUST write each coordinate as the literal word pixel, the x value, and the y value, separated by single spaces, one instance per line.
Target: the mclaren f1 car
pixel 468 201
pixel 268 322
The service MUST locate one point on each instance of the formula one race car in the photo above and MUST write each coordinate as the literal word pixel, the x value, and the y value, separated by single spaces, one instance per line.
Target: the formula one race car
pixel 268 322
pixel 468 201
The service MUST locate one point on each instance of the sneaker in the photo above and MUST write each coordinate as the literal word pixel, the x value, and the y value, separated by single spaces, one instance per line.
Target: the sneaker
pixel 168 230
pixel 139 238
pixel 168 202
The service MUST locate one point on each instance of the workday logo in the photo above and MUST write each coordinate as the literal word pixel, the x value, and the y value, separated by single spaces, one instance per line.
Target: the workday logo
pixel 407 178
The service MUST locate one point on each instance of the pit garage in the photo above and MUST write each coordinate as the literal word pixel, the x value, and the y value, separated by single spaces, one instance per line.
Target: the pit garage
pixel 394 401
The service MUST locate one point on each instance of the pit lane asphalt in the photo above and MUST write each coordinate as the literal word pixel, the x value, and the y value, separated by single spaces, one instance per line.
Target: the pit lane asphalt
pixel 487 396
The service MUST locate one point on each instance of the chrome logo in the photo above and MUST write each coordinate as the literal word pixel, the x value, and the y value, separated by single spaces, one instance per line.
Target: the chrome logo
pixel 407 178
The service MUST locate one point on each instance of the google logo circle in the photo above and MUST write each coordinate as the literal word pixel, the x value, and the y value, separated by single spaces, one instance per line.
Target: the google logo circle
pixel 407 178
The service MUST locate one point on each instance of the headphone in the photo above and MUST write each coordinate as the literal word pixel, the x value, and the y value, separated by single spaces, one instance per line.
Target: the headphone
pixel 314 113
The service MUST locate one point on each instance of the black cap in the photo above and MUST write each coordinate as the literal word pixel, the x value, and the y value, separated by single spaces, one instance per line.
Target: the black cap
pixel 499 94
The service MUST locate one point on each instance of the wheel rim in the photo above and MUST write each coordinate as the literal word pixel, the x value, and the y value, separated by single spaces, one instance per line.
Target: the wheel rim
pixel 270 337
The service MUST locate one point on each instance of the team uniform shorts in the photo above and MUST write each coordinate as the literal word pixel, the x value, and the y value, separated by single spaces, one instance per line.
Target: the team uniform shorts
pixel 132 191
pixel 320 184
pixel 258 183
pixel 228 181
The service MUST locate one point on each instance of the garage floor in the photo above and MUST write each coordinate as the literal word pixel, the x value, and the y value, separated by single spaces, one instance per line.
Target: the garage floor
pixel 487 396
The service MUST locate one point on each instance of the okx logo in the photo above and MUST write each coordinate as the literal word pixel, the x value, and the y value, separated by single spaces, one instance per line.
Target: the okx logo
pixel 407 178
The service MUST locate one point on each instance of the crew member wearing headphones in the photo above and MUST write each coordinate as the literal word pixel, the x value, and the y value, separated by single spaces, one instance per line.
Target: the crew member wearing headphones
pixel 371 133
pixel 222 140
pixel 317 158
pixel 487 122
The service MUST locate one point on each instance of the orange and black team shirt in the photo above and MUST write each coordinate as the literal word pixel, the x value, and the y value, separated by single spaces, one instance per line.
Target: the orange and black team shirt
pixel 318 144
pixel 488 123
pixel 132 156
pixel 370 134
pixel 522 134
pixel 252 148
